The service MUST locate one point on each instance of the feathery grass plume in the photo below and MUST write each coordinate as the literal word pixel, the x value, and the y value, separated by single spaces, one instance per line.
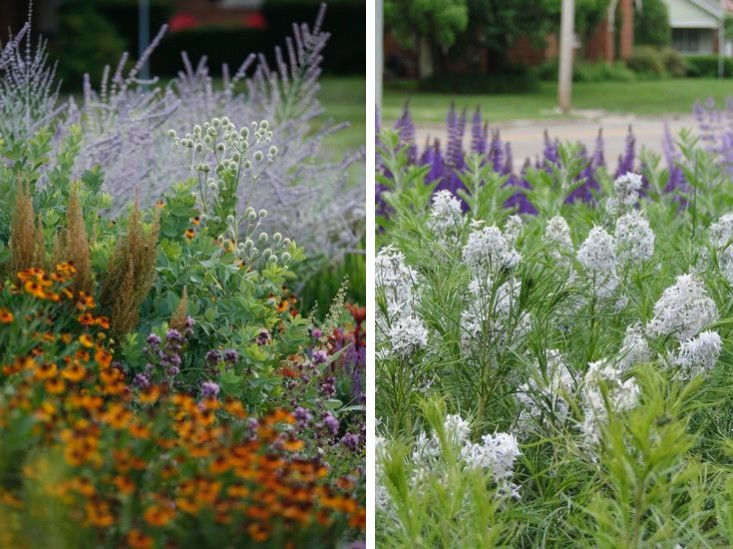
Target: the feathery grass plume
pixel 178 320
pixel 130 272
pixel 74 244
pixel 26 234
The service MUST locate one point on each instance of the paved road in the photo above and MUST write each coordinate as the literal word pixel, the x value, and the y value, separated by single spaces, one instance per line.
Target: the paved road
pixel 526 136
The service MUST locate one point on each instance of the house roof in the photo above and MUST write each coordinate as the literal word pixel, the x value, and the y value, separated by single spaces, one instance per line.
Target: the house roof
pixel 694 13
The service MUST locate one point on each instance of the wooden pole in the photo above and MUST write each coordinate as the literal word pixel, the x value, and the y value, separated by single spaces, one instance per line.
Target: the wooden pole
pixel 565 75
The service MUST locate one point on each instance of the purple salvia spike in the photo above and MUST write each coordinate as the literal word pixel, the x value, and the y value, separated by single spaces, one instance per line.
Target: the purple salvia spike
pixel 478 135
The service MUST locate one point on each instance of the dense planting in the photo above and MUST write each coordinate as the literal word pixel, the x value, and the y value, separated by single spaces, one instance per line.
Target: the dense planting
pixel 160 384
pixel 558 377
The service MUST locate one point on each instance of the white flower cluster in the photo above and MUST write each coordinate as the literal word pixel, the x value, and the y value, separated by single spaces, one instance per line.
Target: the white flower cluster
pixel 400 329
pixel 513 228
pixel 544 398
pixel 598 257
pixel 446 217
pixel 683 310
pixel 383 499
pixel 698 355
pixel 635 348
pixel 488 250
pixel 627 189
pixel 634 239
pixel 495 453
pixel 721 238
pixel 620 395
pixel 558 240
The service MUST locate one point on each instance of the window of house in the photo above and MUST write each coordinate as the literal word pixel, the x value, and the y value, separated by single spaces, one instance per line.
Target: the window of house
pixel 686 40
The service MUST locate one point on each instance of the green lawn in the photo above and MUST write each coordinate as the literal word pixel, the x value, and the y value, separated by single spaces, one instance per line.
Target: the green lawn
pixel 344 100
pixel 640 98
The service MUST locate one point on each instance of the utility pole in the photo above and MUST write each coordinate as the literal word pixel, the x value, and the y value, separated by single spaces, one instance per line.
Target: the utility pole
pixel 143 34
pixel 379 52
pixel 565 75
pixel 721 40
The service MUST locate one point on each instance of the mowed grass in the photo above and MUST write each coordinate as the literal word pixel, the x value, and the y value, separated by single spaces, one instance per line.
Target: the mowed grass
pixel 647 98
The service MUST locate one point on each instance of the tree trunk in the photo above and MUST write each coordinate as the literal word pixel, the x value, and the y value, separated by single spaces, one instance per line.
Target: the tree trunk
pixel 425 61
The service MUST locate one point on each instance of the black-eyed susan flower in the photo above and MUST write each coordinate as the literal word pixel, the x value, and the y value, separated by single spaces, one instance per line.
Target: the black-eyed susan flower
pixel 6 316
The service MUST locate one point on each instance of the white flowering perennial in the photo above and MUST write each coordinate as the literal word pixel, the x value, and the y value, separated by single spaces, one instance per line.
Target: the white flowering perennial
pixel 488 251
pixel 597 255
pixel 495 453
pixel 558 240
pixel 635 348
pixel 627 189
pixel 406 336
pixel 620 395
pixel 634 239
pixel 721 239
pixel 383 499
pixel 544 398
pixel 683 310
pixel 698 355
pixel 446 217
pixel 493 316
pixel 513 228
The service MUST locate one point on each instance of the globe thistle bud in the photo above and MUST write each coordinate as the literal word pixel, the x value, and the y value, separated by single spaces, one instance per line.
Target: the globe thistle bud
pixel 236 157
pixel 277 237
pixel 247 164
pixel 199 147
pixel 263 237
pixel 258 156
pixel 216 122
pixel 248 243
pixel 233 165
pixel 267 252
pixel 252 215
pixel 286 242
pixel 188 136
pixel 197 130
pixel 273 151
pixel 244 133
pixel 273 259
pixel 207 140
pixel 264 124
pixel 286 257
pixel 262 213
pixel 212 185
pixel 220 147
pixel 217 219
pixel 172 134
pixel 225 121
pixel 230 219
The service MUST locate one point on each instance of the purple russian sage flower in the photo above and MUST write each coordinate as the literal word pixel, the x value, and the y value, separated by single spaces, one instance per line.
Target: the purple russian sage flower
pixel 209 389
pixel 405 127
pixel 626 161
pixel 328 387
pixel 231 356
pixel 479 133
pixel 153 340
pixel 174 335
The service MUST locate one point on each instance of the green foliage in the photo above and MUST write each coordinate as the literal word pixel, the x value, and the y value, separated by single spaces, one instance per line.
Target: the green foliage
pixel 706 66
pixel 88 42
pixel 654 472
pixel 651 24
pixel 647 63
pixel 439 20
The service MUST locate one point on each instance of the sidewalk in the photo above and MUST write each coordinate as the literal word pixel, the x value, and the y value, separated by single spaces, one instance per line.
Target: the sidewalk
pixel 527 136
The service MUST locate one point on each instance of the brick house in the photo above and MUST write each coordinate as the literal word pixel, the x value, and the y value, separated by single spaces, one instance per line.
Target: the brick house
pixel 612 39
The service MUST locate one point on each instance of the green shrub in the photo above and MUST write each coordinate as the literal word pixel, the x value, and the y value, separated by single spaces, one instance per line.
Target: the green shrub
pixel 651 24
pixel 674 62
pixel 647 63
pixel 706 66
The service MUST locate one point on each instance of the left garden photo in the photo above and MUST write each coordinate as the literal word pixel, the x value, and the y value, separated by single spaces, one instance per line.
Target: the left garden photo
pixel 182 273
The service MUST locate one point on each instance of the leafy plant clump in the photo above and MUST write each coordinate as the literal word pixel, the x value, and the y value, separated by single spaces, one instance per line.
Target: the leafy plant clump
pixel 558 378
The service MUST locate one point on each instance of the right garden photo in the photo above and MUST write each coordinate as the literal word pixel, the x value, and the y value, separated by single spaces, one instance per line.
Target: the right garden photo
pixel 554 273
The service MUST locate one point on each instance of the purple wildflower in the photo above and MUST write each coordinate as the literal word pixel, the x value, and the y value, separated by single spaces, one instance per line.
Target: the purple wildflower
pixel 209 389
